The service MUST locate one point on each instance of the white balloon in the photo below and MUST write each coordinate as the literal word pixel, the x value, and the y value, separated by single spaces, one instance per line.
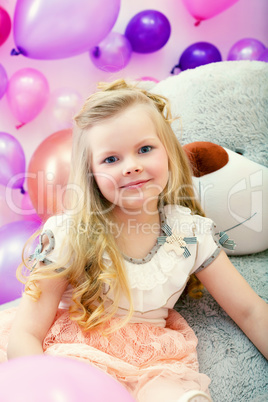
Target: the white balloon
pixel 64 103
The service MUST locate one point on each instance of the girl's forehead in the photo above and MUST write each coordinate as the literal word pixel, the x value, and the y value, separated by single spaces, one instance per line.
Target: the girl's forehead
pixel 134 121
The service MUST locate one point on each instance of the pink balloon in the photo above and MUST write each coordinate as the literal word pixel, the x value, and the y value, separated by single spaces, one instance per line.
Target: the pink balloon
pixel 54 379
pixel 49 29
pixel 205 9
pixel 246 49
pixel 27 94
pixel 3 81
pixel 5 25
pixel 112 54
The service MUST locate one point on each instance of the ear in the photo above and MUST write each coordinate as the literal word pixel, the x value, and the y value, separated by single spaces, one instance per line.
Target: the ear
pixel 205 157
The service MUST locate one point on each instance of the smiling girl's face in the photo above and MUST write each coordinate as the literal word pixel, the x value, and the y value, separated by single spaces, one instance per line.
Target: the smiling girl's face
pixel 128 160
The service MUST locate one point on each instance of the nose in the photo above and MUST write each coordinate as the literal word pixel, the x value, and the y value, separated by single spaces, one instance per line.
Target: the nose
pixel 134 169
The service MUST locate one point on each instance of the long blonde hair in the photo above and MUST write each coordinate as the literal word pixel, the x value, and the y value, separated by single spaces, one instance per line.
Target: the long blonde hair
pixel 90 235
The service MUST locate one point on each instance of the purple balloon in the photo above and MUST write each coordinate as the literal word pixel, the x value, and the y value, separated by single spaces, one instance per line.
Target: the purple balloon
pixel 148 31
pixel 112 54
pixel 49 29
pixel 12 162
pixel 13 236
pixel 3 81
pixel 198 54
pixel 54 379
pixel 246 49
pixel 264 56
pixel 5 25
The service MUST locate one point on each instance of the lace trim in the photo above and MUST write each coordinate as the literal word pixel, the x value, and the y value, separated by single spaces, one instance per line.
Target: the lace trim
pixel 156 247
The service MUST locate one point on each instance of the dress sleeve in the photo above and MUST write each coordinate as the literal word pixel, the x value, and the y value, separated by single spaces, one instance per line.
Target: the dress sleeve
pixel 55 229
pixel 208 246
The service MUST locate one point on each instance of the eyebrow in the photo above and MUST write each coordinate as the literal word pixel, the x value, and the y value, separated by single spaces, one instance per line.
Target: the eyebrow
pixel 109 152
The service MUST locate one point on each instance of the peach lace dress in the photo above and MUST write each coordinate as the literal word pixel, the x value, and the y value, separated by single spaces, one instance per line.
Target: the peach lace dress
pixel 154 355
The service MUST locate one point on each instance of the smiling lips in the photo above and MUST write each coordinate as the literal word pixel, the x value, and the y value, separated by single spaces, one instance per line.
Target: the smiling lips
pixel 135 184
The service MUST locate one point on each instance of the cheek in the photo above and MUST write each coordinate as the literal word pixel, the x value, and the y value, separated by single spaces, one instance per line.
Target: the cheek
pixel 105 182
pixel 161 168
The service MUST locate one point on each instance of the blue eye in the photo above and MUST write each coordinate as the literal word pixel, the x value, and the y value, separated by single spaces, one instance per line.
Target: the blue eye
pixel 111 159
pixel 145 149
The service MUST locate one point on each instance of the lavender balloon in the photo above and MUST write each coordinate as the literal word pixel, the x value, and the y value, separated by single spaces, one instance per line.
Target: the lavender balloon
pixel 264 56
pixel 246 49
pixel 61 379
pixel 148 31
pixel 13 236
pixel 112 54
pixel 49 29
pixel 198 54
pixel 3 81
pixel 12 162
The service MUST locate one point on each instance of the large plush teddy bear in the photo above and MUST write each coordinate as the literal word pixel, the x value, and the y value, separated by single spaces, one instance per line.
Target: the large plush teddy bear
pixel 223 126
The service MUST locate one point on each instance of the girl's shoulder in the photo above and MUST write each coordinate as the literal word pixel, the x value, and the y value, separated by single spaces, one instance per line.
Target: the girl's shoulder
pixel 183 220
pixel 57 222
pixel 57 228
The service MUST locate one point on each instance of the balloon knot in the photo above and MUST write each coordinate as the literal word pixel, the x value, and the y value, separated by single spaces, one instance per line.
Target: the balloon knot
pixel 174 68
pixel 15 52
pixel 22 190
pixel 197 23
pixel 20 125
pixel 96 52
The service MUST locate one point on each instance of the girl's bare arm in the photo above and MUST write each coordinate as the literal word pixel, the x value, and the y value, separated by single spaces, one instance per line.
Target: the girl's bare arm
pixel 238 299
pixel 34 318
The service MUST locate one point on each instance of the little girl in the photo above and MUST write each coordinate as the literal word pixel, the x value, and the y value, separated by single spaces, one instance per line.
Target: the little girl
pixel 108 271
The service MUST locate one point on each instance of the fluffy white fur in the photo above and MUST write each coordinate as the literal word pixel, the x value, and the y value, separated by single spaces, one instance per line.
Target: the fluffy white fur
pixel 225 103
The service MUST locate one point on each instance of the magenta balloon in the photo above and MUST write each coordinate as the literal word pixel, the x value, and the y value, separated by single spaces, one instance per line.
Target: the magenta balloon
pixel 148 79
pixel 5 25
pixel 264 56
pixel 27 94
pixel 54 379
pixel 246 49
pixel 12 161
pixel 148 31
pixel 13 236
pixel 3 81
pixel 198 54
pixel 112 54
pixel 49 29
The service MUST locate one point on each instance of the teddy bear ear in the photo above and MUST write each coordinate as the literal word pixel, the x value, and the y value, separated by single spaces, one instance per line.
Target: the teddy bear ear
pixel 205 157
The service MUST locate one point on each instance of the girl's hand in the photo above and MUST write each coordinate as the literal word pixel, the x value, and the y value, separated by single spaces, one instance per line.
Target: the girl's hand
pixel 238 299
